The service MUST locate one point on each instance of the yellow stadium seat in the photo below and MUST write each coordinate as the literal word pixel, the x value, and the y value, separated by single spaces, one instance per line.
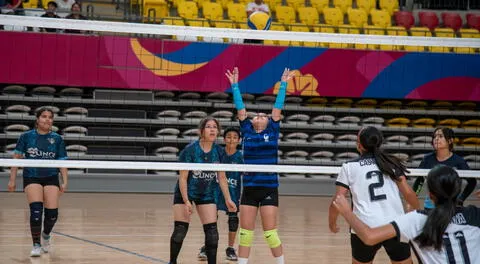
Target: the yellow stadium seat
pixel 333 16
pixel 357 17
pixel 421 105
pixel 174 21
pixel 198 22
pixel 471 141
pixel 450 122
pixel 467 33
pixel 466 106
pixel 285 14
pixel 225 3
pixel 188 9
pixel 236 12
pixel 391 6
pixel 391 104
pixel 155 10
pixel 298 27
pixel 344 5
pixel 175 2
pixel 373 30
pixel 308 15
pixel 442 105
pixel 270 42
pixel 212 11
pixel 310 44
pixel 272 4
pixel 423 123
pixel 342 103
pixel 398 122
pixel 224 24
pixel 366 5
pixel 396 31
pixel 366 103
pixel 418 32
pixel 244 25
pixel 320 4
pixel 323 28
pixel 443 33
pixel 473 123
pixel 296 3
pixel 381 18
pixel 31 4
pixel 200 2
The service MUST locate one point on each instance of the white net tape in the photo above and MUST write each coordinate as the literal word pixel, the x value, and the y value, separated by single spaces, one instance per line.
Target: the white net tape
pixel 155 29
pixel 175 166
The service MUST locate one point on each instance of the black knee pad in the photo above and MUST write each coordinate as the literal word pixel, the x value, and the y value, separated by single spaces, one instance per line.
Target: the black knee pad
pixel 36 212
pixel 233 223
pixel 180 231
pixel 211 235
pixel 51 214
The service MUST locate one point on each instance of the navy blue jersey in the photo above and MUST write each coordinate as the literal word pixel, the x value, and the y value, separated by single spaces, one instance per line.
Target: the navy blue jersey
pixel 37 146
pixel 234 181
pixel 430 160
pixel 260 148
pixel 200 184
pixel 455 161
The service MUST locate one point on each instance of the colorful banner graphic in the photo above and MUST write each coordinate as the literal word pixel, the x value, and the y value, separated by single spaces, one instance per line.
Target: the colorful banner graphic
pixel 156 64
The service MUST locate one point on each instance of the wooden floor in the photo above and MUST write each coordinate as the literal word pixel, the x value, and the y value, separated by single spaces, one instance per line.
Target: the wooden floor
pixel 136 228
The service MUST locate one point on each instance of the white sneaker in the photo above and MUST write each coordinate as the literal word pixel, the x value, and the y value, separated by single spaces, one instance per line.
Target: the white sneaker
pixel 36 251
pixel 46 242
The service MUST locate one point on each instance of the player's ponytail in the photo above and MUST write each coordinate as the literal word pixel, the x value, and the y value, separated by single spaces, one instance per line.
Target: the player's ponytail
pixel 371 140
pixel 445 185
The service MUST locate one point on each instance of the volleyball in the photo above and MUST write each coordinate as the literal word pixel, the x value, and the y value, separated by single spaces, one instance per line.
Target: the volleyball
pixel 259 20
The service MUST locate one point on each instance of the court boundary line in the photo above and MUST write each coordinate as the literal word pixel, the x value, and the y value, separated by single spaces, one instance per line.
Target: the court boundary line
pixel 112 247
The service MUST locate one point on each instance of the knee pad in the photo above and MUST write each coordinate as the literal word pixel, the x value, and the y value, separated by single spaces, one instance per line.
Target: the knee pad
pixel 271 236
pixel 179 231
pixel 233 223
pixel 246 237
pixel 51 214
pixel 36 212
pixel 211 235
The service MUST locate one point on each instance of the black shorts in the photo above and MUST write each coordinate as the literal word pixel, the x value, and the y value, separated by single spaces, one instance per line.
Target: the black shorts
pixel 177 199
pixel 52 180
pixel 396 250
pixel 259 196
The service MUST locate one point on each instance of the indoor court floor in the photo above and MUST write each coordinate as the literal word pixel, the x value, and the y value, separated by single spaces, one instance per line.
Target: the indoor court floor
pixel 135 228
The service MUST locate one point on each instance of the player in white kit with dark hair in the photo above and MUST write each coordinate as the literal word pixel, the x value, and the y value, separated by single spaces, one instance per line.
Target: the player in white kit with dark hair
pixel 375 181
pixel 446 234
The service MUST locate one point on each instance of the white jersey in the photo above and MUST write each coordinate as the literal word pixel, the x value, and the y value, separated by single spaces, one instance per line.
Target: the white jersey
pixel 461 240
pixel 376 198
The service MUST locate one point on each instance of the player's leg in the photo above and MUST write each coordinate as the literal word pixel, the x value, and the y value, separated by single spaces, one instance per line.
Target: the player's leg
pixel 233 222
pixel 398 252
pixel 208 216
pixel 51 193
pixel 269 212
pixel 34 191
pixel 181 223
pixel 248 213
pixel 362 253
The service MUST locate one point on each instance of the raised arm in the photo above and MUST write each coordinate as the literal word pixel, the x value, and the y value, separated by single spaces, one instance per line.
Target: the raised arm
pixel 408 193
pixel 369 236
pixel 237 96
pixel 282 92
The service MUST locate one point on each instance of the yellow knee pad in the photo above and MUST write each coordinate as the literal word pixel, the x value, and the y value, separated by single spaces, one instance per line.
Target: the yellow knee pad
pixel 246 237
pixel 271 236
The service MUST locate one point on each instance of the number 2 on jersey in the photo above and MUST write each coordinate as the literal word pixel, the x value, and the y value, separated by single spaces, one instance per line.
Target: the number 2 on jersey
pixel 376 185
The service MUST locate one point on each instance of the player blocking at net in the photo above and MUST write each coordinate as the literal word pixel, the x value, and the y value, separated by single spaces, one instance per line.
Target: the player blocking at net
pixel 198 187
pixel 41 185
pixel 260 190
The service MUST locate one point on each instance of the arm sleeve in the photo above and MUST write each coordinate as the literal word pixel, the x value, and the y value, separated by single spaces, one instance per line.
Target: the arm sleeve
pixel 61 151
pixel 282 92
pixel 21 146
pixel 274 125
pixel 342 179
pixel 463 165
pixel 409 226
pixel 245 125
pixel 237 97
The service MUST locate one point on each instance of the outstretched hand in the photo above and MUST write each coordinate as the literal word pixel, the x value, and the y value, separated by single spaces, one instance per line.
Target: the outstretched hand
pixel 232 75
pixel 287 75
